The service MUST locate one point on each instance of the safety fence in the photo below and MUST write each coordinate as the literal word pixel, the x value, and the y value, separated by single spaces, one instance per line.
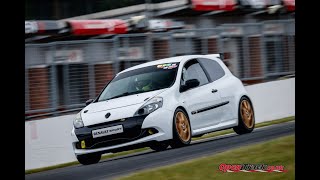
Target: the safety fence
pixel 60 76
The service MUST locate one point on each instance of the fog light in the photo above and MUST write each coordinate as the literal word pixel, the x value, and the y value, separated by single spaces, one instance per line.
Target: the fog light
pixel 150 131
pixel 83 144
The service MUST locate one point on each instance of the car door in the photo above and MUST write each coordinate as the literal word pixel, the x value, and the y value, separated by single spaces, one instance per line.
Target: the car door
pixel 222 84
pixel 199 101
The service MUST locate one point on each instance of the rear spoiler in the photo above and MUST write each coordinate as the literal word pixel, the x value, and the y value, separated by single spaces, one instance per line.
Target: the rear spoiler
pixel 220 56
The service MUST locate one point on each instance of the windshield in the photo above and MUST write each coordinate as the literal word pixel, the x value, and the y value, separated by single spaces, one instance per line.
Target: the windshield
pixel 141 80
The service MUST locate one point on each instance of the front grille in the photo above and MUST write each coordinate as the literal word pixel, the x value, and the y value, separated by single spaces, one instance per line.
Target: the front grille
pixel 131 131
pixel 99 142
pixel 111 123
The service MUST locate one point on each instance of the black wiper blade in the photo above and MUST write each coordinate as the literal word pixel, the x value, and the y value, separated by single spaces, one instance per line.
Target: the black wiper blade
pixel 120 95
pixel 125 94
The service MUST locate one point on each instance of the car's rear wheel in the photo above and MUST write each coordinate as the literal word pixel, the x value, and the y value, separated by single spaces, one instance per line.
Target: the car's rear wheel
pixel 159 146
pixel 87 159
pixel 181 129
pixel 246 117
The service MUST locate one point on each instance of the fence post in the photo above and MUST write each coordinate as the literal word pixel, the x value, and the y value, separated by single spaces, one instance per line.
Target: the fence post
pixel 291 43
pixel 116 63
pixel 26 89
pixel 204 44
pixel 187 44
pixel 149 47
pixel 220 42
pixel 246 57
pixel 66 85
pixel 263 52
pixel 53 84
pixel 91 80
pixel 171 43
pixel 291 54
pixel 126 44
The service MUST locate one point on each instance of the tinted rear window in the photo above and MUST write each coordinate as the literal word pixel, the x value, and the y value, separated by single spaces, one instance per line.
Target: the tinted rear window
pixel 213 68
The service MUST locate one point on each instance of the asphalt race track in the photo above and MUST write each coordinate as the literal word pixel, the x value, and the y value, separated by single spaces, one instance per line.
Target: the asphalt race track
pixel 113 168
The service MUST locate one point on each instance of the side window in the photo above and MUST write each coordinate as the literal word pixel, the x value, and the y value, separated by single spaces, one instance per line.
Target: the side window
pixel 213 68
pixel 193 70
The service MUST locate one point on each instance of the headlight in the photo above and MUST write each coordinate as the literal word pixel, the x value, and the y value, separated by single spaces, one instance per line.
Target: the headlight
pixel 150 106
pixel 78 123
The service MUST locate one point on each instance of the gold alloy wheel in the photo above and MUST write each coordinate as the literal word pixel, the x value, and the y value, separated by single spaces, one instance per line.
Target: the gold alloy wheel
pixel 247 114
pixel 183 127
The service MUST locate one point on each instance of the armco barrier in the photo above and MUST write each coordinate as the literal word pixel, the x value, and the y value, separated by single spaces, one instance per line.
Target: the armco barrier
pixel 48 141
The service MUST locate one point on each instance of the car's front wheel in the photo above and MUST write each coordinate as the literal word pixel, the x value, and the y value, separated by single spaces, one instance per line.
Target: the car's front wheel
pixel 246 117
pixel 181 129
pixel 87 159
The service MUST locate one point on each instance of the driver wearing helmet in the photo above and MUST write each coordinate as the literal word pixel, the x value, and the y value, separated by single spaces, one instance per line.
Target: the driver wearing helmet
pixel 142 83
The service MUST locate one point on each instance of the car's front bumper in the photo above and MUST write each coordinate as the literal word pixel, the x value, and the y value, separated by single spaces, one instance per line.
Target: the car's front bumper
pixel 135 132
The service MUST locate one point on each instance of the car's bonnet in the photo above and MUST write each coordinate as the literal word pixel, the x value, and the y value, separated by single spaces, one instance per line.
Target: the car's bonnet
pixel 121 102
pixel 122 107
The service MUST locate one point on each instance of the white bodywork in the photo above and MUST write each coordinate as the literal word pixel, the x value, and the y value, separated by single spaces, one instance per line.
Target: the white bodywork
pixel 229 89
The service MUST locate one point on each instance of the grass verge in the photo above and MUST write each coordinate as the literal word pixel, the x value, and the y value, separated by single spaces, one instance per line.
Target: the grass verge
pixel 279 151
pixel 108 156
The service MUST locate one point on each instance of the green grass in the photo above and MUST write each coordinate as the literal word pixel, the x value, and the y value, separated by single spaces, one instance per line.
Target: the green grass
pixel 228 131
pixel 218 133
pixel 275 152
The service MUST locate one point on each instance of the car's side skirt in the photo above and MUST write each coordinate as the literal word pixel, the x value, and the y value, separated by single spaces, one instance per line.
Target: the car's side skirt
pixel 221 126
pixel 209 108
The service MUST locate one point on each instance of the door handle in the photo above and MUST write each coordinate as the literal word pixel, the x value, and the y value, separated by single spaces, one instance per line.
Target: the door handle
pixel 214 90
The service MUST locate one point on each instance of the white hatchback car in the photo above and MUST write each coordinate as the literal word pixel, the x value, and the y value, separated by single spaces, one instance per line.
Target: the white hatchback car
pixel 161 103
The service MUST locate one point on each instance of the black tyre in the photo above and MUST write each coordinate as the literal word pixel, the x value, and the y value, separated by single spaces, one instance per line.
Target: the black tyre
pixel 246 117
pixel 89 159
pixel 159 146
pixel 181 129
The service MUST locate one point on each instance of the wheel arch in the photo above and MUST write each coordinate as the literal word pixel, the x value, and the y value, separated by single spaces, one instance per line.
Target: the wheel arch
pixel 181 107
pixel 241 128
pixel 245 95
pixel 238 102
pixel 184 109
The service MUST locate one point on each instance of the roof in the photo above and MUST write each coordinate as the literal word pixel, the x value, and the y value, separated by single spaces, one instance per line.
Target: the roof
pixel 169 60
pixel 129 11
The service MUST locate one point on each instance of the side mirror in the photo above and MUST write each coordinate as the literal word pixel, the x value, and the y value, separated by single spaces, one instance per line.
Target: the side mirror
pixel 191 83
pixel 89 102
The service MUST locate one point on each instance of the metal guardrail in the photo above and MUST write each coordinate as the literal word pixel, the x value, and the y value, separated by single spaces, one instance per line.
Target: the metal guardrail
pixel 61 76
